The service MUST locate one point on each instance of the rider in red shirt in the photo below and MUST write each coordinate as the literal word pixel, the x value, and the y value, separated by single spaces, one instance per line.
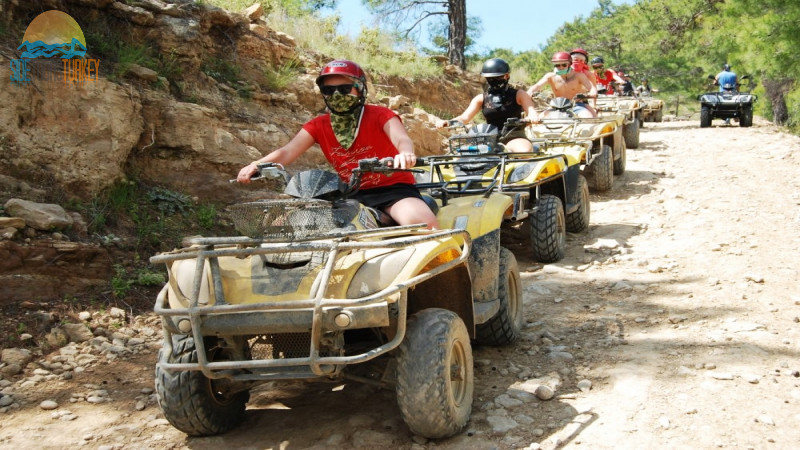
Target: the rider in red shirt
pixel 353 131
pixel 605 77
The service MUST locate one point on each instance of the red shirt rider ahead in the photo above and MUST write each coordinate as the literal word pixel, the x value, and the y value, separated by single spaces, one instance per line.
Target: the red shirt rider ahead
pixel 606 78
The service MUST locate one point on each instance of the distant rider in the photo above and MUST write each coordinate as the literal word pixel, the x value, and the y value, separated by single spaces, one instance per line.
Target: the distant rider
pixel 645 88
pixel 500 102
pixel 567 83
pixel 726 77
pixel 605 77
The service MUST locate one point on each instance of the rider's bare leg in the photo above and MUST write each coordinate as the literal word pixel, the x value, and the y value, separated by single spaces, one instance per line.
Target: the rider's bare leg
pixel 410 211
pixel 519 145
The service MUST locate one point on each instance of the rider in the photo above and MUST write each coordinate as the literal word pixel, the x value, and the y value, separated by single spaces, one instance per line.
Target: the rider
pixel 605 77
pixel 567 83
pixel 500 102
pixel 726 77
pixel 626 88
pixel 644 88
pixel 353 131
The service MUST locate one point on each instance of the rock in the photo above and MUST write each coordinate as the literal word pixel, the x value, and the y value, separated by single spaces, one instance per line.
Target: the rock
pixel 6 400
pixel 544 392
pixel 135 14
pixel 584 385
pixel 254 12
pixel 18 356
pixel 85 315
pixel 12 222
pixel 48 405
pixel 143 73
pixel 501 424
pixel 77 332
pixel 506 401
pixel 765 419
pixel 117 313
pixel 41 216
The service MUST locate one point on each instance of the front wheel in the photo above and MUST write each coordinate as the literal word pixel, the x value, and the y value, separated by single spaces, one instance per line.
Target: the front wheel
pixel 505 327
pixel 435 378
pixel 578 220
pixel 705 117
pixel 192 403
pixel 548 230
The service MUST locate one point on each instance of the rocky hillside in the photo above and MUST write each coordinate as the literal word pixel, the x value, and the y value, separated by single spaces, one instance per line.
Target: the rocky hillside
pixel 183 100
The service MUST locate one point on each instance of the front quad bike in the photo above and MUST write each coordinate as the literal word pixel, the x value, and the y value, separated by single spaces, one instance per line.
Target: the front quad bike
pixel 548 196
pixel 313 290
pixel 631 110
pixel 728 104
pixel 596 145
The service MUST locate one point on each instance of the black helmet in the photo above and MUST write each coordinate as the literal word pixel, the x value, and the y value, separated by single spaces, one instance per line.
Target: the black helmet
pixel 495 67
pixel 726 67
pixel 598 60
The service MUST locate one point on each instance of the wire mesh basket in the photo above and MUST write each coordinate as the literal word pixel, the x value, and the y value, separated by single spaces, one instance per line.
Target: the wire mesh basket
pixel 285 219
pixel 473 143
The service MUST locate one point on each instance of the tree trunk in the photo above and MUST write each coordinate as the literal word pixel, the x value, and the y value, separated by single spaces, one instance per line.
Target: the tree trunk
pixel 776 91
pixel 457 13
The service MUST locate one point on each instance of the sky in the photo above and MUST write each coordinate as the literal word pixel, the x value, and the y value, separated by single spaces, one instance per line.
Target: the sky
pixel 516 24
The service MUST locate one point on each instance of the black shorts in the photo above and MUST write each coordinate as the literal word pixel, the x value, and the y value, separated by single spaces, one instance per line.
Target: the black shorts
pixel 516 134
pixel 381 197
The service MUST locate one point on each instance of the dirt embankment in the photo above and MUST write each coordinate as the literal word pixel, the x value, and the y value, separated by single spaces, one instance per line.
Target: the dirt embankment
pixel 671 323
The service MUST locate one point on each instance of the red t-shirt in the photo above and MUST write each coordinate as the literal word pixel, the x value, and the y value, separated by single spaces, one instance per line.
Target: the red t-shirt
pixel 371 141
pixel 605 78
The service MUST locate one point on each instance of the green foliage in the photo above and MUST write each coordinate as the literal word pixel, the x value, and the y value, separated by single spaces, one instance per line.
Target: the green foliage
pixel 206 215
pixel 168 202
pixel 280 77
pixel 145 277
pixel 120 283
pixel 222 70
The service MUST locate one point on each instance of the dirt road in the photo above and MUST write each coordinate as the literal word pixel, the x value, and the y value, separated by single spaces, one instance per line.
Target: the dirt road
pixel 671 323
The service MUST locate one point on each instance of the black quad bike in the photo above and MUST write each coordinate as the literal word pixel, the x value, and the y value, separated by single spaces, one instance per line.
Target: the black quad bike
pixel 730 103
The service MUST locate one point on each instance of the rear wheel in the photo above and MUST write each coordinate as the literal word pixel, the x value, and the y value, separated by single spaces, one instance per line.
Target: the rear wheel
pixel 630 132
pixel 747 117
pixel 619 163
pixel 600 173
pixel 193 403
pixel 659 116
pixel 435 374
pixel 705 117
pixel 548 230
pixel 504 328
pixel 578 220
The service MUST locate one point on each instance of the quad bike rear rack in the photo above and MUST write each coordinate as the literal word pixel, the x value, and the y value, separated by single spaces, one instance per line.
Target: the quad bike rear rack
pixel 315 312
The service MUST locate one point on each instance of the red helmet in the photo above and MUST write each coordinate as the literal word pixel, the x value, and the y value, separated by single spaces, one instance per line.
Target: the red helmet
pixel 580 51
pixel 345 68
pixel 561 56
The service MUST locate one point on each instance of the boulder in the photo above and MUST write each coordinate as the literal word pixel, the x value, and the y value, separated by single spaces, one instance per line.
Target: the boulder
pixel 19 356
pixel 41 216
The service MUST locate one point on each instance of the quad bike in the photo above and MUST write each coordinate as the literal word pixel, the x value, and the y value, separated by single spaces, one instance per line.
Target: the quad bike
pixel 549 197
pixel 596 145
pixel 652 108
pixel 314 290
pixel 728 104
pixel 630 108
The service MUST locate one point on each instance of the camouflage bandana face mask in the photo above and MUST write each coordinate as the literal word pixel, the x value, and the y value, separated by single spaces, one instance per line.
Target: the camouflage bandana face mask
pixel 344 124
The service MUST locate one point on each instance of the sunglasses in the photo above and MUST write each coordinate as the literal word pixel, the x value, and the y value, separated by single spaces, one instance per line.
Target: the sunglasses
pixel 343 89
pixel 597 67
pixel 561 65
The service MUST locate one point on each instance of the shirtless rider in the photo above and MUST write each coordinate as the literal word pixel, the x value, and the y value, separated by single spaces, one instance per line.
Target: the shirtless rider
pixel 567 83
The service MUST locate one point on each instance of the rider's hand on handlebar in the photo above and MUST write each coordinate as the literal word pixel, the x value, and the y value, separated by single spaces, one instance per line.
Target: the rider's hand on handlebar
pixel 247 173
pixel 405 160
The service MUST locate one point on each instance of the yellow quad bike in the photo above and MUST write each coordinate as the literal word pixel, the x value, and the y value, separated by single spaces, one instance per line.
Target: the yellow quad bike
pixel 314 290
pixel 595 145
pixel 549 197
pixel 652 108
pixel 631 110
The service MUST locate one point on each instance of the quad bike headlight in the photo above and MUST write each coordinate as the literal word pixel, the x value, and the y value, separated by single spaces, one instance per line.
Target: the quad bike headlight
pixel 745 98
pixel 521 172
